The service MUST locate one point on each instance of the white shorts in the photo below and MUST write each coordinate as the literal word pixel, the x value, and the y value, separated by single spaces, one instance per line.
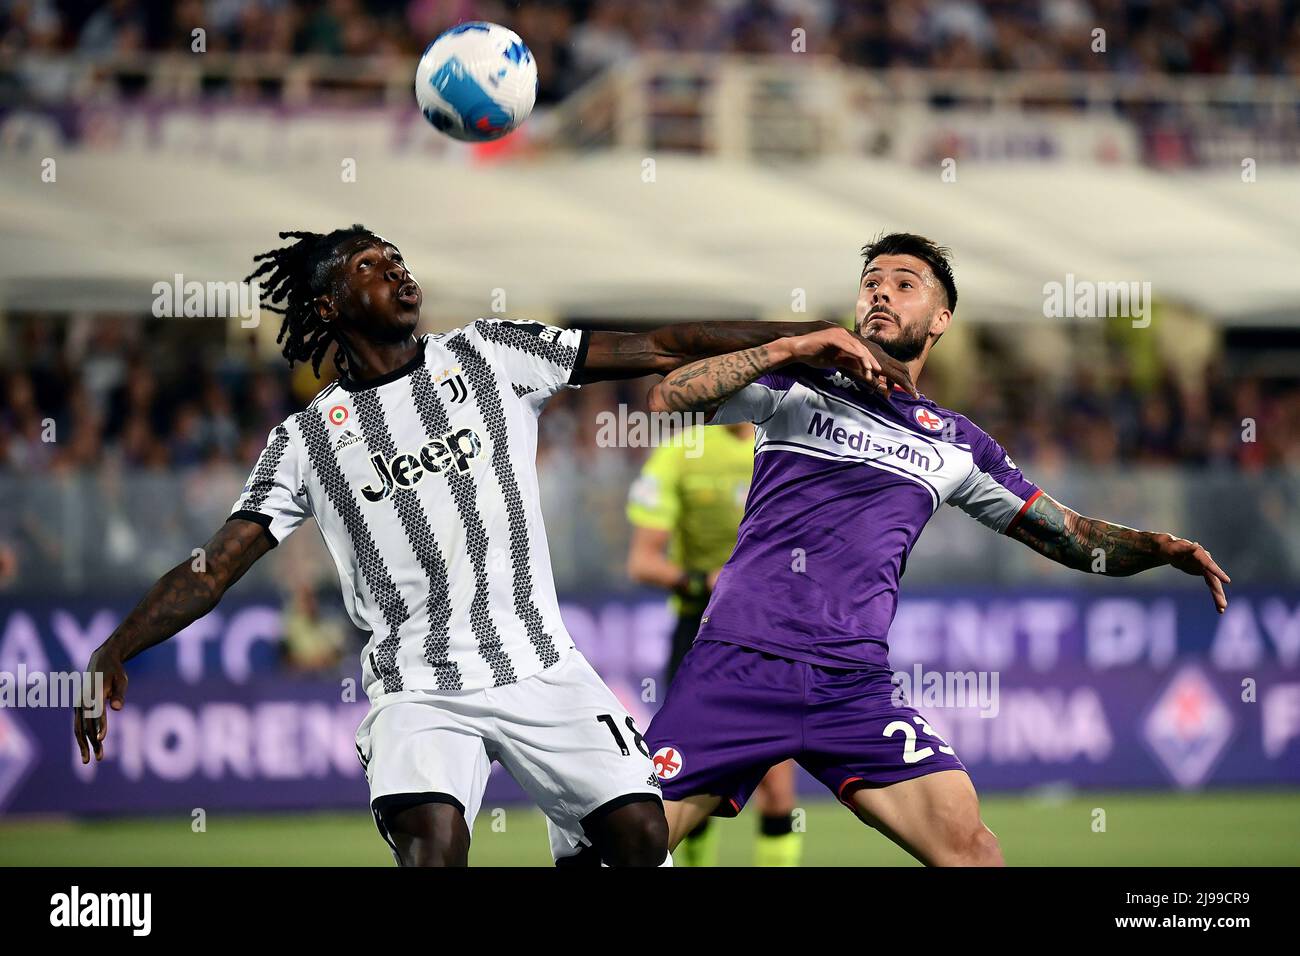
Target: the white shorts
pixel 561 733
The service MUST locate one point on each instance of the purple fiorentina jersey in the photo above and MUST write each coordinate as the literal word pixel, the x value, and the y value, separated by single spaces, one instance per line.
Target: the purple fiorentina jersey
pixel 844 481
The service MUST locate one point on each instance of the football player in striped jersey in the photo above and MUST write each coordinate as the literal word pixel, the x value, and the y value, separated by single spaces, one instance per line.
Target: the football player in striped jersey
pixel 418 466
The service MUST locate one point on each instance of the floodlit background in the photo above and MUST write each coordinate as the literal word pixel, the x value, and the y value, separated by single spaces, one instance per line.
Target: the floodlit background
pixel 698 159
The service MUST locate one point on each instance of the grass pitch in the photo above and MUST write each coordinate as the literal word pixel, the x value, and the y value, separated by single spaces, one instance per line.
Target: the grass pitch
pixel 1158 829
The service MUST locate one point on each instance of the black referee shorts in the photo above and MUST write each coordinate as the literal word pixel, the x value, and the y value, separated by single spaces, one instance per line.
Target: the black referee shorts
pixel 688 625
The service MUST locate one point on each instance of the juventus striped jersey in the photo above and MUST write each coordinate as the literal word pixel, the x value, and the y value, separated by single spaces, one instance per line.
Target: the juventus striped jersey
pixel 424 486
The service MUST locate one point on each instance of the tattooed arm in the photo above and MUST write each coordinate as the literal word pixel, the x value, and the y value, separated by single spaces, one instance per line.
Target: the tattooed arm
pixel 1090 544
pixel 705 385
pixel 180 597
pixel 614 355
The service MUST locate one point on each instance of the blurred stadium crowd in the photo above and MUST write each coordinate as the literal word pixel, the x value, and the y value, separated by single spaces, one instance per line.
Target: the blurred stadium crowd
pixel 574 39
pixel 109 424
pixel 113 424
pixel 127 390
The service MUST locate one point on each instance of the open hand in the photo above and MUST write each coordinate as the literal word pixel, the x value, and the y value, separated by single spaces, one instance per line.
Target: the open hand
pixel 1190 558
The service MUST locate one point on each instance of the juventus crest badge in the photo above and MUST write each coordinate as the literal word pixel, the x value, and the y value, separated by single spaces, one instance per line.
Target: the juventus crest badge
pixel 455 382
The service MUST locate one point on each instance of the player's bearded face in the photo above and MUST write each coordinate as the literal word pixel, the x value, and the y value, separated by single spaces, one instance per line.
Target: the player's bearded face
pixel 897 305
pixel 900 337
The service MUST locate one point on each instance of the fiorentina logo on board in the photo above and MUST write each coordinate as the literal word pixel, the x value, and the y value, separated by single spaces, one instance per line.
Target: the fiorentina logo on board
pixel 17 754
pixel 1189 727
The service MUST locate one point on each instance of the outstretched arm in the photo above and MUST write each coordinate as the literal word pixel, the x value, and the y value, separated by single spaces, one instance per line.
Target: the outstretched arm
pixel 705 385
pixel 180 597
pixel 1090 544
pixel 614 355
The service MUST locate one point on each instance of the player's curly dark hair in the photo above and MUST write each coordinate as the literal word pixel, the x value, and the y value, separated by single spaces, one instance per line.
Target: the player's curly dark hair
pixel 295 275
pixel 909 244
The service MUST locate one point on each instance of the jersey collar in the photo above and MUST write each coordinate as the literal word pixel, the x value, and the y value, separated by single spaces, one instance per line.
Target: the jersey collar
pixel 399 372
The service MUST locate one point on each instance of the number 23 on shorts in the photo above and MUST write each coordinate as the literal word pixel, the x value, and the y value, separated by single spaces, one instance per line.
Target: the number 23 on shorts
pixel 910 753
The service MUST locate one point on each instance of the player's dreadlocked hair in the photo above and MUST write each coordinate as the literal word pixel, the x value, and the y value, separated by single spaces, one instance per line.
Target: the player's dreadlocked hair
pixel 298 273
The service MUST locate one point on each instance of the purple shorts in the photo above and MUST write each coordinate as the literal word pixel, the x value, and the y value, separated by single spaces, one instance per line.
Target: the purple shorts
pixel 733 712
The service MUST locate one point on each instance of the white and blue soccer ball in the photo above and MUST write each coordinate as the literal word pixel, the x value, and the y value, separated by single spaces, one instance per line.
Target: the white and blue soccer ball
pixel 476 82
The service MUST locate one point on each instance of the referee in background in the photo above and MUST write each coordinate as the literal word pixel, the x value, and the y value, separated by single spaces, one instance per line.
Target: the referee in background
pixel 685 508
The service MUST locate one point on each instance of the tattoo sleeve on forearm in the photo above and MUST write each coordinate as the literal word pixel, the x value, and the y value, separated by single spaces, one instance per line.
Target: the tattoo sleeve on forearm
pixel 184 594
pixel 1086 544
pixel 706 384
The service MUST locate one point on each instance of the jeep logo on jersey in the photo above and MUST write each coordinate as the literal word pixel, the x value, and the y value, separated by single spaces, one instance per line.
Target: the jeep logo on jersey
pixel 404 471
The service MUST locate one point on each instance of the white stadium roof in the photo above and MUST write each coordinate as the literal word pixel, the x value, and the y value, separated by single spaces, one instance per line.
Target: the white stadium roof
pixel 575 236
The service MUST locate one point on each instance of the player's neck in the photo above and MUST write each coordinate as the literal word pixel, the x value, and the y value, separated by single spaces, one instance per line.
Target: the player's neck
pixel 914 368
pixel 370 360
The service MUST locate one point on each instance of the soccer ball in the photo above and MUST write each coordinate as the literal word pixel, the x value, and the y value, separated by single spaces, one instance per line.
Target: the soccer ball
pixel 476 82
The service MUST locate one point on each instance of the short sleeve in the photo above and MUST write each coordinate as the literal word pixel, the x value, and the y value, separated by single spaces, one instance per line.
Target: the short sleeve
pixel 756 402
pixel 995 493
pixel 654 500
pixel 537 359
pixel 275 495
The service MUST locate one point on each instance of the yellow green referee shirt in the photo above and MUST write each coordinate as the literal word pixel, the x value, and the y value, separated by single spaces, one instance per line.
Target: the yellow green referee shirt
pixel 697 491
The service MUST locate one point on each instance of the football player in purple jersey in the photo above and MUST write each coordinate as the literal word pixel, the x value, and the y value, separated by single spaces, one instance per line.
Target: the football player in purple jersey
pixel 791 659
